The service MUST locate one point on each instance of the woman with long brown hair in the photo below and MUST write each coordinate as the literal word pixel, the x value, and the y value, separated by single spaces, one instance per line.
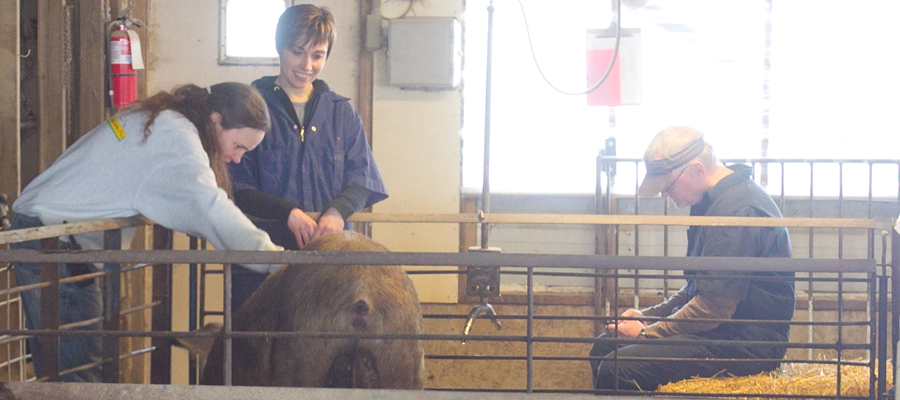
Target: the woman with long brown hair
pixel 164 158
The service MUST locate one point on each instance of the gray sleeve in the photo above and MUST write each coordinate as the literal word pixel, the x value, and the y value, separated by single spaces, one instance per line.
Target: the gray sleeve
pixel 666 307
pixel 702 306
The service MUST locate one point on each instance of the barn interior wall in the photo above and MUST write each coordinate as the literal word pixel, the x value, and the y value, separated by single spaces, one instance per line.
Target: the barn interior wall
pixel 415 134
pixel 416 142
pixel 415 137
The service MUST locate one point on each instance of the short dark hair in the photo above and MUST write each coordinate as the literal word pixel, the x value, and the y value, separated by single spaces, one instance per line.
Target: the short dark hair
pixel 305 22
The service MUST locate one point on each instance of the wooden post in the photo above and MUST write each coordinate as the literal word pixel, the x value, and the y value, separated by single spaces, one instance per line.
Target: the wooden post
pixel 10 165
pixel 112 240
pixel 52 68
pixel 161 359
pixel 90 66
pixel 10 143
pixel 49 355
pixel 468 236
pixel 366 73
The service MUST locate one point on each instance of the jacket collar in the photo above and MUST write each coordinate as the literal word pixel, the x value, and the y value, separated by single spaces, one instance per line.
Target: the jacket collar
pixel 268 87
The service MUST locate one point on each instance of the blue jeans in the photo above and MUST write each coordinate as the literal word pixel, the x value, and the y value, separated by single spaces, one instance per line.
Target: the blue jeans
pixel 693 360
pixel 243 281
pixel 75 304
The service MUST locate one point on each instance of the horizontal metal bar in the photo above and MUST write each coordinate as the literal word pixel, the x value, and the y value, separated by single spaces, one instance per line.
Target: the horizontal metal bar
pixel 651 319
pixel 14 360
pixel 43 232
pixel 92 275
pixel 86 322
pixel 140 308
pixel 10 339
pixel 777 160
pixel 593 219
pixel 131 354
pixel 586 358
pixel 629 394
pixel 435 337
pixel 642 275
pixel 94 391
pixel 444 259
pixel 698 396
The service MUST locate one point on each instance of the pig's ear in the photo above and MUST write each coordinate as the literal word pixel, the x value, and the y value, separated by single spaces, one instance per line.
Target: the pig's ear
pixel 200 346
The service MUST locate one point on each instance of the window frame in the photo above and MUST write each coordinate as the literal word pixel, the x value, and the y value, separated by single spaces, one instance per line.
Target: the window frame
pixel 231 60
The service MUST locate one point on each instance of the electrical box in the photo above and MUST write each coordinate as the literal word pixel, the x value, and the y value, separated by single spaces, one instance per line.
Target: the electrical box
pixel 425 53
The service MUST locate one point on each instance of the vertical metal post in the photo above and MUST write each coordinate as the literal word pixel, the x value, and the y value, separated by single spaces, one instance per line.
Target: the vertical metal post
pixel 529 356
pixel 809 292
pixel 201 308
pixel 637 243
pixel 226 329
pixel 192 287
pixel 601 241
pixel 880 321
pixel 112 240
pixel 486 183
pixel 49 354
pixel 192 308
pixel 161 358
pixel 895 298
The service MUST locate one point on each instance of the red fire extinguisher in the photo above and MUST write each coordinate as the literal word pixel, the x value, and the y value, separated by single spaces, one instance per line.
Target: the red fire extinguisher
pixel 124 58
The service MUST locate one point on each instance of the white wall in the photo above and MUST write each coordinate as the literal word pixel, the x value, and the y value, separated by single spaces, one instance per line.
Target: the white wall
pixel 416 136
pixel 415 133
pixel 183 47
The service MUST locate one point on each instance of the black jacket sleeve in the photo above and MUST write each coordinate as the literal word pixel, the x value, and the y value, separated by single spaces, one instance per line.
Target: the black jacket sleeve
pixel 350 201
pixel 262 205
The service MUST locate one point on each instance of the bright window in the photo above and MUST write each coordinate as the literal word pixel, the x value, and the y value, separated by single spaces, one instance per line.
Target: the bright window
pixel 832 85
pixel 248 29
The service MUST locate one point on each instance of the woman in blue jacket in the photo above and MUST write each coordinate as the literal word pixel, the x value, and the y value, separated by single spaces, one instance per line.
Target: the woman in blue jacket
pixel 315 158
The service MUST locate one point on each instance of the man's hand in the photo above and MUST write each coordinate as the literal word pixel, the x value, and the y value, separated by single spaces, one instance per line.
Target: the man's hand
pixel 302 226
pixel 629 329
pixel 330 221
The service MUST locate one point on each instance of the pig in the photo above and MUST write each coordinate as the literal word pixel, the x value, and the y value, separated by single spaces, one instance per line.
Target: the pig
pixel 328 298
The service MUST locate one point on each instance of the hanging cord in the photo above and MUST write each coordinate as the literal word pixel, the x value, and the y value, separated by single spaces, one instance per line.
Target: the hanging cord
pixel 405 13
pixel 611 62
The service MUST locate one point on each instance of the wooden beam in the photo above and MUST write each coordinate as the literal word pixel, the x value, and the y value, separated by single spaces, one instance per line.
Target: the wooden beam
pixel 592 219
pixel 90 66
pixel 10 165
pixel 52 67
pixel 141 11
pixel 468 236
pixel 366 73
pixel 51 231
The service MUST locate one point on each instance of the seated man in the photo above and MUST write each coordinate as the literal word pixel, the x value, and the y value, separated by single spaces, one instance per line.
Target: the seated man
pixel 682 166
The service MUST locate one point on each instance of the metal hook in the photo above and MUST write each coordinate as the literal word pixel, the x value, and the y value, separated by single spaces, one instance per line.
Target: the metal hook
pixel 485 308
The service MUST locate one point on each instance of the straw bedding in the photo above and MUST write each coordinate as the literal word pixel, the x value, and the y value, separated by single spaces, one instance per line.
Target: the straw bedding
pixel 790 379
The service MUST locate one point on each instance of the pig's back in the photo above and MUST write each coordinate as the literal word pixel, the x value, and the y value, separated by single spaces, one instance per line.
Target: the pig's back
pixel 330 299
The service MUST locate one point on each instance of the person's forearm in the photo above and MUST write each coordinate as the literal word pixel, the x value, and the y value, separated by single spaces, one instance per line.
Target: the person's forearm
pixel 262 205
pixel 666 307
pixel 702 306
pixel 349 201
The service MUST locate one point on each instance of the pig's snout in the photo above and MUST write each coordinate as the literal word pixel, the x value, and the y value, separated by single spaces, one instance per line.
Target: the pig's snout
pixel 361 307
pixel 353 369
pixel 360 310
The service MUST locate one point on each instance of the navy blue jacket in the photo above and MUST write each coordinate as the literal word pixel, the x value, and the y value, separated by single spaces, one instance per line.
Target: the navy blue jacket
pixel 762 295
pixel 310 169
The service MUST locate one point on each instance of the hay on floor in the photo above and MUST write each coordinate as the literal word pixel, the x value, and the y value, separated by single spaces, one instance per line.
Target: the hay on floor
pixel 790 379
